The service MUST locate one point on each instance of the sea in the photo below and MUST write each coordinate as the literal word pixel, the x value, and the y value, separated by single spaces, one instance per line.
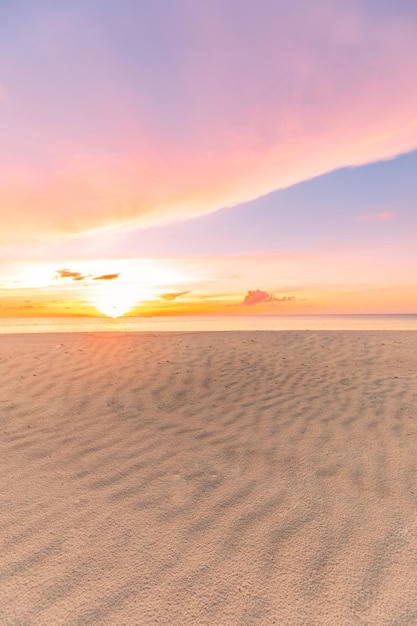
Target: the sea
pixel 206 323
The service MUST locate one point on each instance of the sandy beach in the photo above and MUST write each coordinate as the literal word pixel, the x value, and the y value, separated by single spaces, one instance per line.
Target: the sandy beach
pixel 208 478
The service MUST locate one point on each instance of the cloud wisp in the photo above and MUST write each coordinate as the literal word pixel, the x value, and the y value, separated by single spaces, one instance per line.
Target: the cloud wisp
pixel 375 217
pixel 174 295
pixel 106 277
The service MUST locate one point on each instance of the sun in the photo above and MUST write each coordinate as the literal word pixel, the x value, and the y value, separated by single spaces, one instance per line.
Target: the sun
pixel 115 302
pixel 113 310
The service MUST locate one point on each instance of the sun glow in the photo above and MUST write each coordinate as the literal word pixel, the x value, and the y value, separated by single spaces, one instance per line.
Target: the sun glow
pixel 136 282
pixel 116 301
pixel 113 288
pixel 113 310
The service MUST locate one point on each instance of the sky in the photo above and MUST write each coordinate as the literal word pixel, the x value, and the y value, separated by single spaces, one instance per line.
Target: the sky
pixel 170 157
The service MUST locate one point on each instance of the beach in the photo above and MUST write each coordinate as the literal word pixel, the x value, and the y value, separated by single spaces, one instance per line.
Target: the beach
pixel 213 478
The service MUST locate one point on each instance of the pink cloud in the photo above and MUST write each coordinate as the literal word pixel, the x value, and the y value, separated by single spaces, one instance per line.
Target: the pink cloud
pixel 261 297
pixel 383 216
pixel 254 108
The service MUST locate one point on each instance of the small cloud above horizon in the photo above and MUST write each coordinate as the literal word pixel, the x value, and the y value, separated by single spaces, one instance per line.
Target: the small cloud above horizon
pixel 260 297
pixel 106 277
pixel 78 276
pixel 65 273
pixel 68 274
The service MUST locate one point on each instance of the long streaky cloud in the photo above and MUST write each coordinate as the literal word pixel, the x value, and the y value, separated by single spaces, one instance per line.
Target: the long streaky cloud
pixel 230 105
pixel 106 277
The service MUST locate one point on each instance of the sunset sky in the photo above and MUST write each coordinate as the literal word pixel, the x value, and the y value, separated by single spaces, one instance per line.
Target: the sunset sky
pixel 210 156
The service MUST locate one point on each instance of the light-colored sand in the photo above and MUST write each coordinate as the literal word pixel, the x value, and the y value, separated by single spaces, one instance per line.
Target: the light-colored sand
pixel 213 478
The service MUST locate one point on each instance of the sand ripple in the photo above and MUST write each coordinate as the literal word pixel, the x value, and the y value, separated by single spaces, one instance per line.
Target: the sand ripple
pixel 208 478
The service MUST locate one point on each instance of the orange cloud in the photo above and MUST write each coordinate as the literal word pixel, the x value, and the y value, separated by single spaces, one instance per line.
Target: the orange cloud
pixel 81 277
pixel 260 118
pixel 65 273
pixel 261 297
pixel 106 277
pixel 69 274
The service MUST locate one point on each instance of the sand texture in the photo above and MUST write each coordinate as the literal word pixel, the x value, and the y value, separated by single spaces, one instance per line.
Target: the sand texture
pixel 208 478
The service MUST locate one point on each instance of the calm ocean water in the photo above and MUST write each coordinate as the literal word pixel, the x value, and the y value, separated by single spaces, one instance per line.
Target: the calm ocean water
pixel 202 323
